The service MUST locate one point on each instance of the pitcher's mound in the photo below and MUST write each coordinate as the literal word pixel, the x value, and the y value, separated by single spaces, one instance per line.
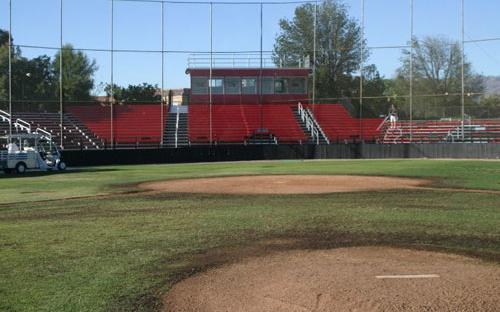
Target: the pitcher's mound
pixel 348 279
pixel 284 184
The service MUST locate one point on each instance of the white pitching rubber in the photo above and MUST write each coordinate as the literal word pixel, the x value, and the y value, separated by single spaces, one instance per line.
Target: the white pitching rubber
pixel 407 276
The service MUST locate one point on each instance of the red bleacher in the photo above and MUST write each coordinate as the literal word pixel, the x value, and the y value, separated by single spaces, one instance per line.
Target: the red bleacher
pixel 339 125
pixel 439 131
pixel 132 123
pixel 235 123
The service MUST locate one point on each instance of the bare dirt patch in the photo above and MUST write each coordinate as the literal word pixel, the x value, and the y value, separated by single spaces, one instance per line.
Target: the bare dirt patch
pixel 284 184
pixel 344 279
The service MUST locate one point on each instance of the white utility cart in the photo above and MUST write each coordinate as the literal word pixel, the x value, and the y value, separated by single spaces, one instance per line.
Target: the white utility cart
pixel 29 151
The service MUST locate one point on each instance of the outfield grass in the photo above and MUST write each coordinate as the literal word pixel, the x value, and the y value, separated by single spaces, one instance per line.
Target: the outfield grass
pixel 121 251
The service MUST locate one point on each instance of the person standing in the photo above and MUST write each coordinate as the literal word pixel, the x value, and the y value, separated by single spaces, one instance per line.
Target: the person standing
pixel 393 116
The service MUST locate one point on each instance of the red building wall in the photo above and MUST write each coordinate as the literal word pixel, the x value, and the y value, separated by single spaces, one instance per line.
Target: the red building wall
pixel 250 98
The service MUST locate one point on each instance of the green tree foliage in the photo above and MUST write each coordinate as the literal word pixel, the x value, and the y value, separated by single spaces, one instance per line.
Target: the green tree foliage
pixel 4 63
pixel 485 107
pixel 338 50
pixel 437 78
pixel 33 79
pixel 36 81
pixel 141 93
pixel 78 72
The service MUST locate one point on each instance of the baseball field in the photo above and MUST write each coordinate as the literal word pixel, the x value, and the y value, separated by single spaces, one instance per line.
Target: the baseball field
pixel 253 236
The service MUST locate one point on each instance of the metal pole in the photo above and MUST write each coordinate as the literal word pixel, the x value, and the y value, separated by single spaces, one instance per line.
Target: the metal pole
pixel 61 94
pixel 361 69
pixel 411 70
pixel 260 72
pixel 112 77
pixel 10 71
pixel 210 74
pixel 314 54
pixel 463 70
pixel 162 103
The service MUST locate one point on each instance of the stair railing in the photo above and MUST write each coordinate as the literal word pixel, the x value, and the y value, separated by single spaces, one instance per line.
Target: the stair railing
pixel 23 125
pixel 44 133
pixel 4 116
pixel 316 125
pixel 176 127
pixel 383 122
pixel 310 123
pixel 19 123
pixel 383 128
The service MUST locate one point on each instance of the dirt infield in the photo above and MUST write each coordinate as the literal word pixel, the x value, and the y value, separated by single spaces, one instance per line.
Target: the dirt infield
pixel 345 279
pixel 284 184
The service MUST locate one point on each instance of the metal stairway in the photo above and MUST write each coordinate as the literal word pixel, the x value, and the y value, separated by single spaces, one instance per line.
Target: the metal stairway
pixel 310 126
pixel 302 123
pixel 176 130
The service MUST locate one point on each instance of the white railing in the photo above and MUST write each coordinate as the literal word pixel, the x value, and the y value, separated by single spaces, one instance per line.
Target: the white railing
pixel 311 124
pixel 304 116
pixel 5 116
pixel 44 133
pixel 318 126
pixel 176 128
pixel 19 123
pixel 23 125
pixel 459 134
pixel 238 60
pixel 383 122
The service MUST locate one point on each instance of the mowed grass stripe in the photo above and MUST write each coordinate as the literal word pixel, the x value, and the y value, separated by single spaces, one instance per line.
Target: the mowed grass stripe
pixel 122 252
pixel 116 179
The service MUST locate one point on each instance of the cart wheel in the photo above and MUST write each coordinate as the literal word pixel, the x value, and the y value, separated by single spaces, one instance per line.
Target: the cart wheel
pixel 61 166
pixel 21 168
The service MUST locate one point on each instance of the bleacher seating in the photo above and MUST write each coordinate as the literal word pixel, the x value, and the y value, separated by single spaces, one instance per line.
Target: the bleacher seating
pixel 4 128
pixel 482 131
pixel 74 136
pixel 442 131
pixel 235 123
pixel 340 126
pixel 134 125
pixel 88 127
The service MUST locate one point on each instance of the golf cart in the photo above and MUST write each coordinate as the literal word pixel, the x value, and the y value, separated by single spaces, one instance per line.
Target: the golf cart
pixel 23 151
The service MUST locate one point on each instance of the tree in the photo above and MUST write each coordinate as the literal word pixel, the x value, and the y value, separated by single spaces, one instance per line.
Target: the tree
pixel 437 76
pixel 78 72
pixel 4 69
pixel 145 93
pixel 4 62
pixel 33 79
pixel 338 49
pixel 487 107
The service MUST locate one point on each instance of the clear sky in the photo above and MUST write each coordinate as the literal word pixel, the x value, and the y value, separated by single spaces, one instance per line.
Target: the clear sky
pixel 87 23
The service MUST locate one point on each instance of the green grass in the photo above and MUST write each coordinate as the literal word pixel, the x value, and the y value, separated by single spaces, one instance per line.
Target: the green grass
pixel 122 251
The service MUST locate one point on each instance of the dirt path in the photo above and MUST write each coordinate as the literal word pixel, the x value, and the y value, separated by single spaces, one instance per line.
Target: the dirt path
pixel 346 279
pixel 284 184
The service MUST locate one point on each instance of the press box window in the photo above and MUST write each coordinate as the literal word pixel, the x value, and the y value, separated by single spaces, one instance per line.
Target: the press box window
pixel 297 85
pixel 281 85
pixel 217 85
pixel 232 85
pixel 199 85
pixel 267 85
pixel 249 85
